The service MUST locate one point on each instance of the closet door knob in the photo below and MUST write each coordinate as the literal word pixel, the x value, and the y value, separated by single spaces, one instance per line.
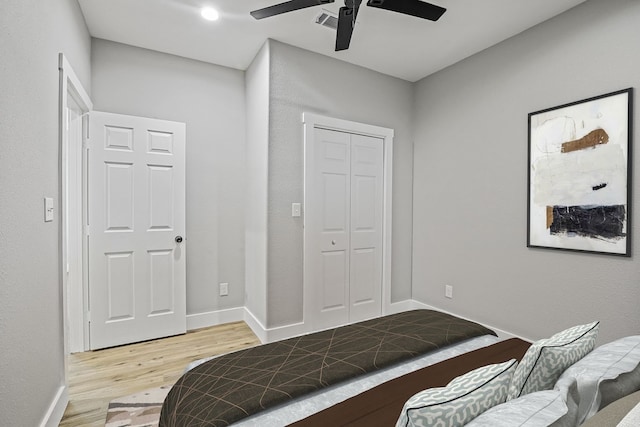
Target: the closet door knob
pixel 178 239
pixel 333 242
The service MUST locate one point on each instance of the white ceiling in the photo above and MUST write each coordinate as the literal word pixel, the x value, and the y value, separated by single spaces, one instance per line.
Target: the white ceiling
pixel 394 44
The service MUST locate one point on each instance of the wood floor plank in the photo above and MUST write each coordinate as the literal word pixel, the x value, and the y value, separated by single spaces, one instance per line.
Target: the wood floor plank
pixel 97 377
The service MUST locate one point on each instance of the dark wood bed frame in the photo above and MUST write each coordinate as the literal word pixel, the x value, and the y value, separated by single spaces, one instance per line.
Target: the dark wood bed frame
pixel 381 405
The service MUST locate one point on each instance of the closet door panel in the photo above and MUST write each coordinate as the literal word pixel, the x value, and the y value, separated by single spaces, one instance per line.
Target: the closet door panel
pixel 366 227
pixel 330 204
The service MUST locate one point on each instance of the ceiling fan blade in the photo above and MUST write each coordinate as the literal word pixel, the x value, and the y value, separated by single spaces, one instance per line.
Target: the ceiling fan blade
pixel 417 8
pixel 288 6
pixel 346 19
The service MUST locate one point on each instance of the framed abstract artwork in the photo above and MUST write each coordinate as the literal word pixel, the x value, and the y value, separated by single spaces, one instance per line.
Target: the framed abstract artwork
pixel 579 175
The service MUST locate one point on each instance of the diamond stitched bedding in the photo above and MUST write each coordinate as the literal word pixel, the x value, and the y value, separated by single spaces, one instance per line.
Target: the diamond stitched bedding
pixel 233 386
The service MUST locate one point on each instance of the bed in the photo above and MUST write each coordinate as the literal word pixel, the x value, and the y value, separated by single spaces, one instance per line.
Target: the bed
pixel 263 385
pixel 416 368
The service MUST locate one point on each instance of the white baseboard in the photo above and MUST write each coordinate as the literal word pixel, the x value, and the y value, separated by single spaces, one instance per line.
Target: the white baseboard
pixel 213 318
pixel 399 307
pixel 256 326
pixel 416 305
pixel 266 335
pixel 297 329
pixel 56 410
pixel 219 317
pixel 502 334
pixel 288 331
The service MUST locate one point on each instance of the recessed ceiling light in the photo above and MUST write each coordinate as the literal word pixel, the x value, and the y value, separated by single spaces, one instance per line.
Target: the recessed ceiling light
pixel 209 13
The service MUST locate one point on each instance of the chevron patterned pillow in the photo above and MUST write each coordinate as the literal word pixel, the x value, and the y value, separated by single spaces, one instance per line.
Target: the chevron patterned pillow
pixel 547 359
pixel 463 399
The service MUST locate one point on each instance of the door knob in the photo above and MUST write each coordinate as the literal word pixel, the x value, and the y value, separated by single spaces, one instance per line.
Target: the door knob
pixel 178 239
pixel 333 242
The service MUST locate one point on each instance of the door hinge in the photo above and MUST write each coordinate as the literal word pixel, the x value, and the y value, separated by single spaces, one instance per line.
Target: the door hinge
pixel 85 229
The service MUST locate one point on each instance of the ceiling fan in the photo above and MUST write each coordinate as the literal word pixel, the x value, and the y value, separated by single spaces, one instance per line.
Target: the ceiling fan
pixel 348 13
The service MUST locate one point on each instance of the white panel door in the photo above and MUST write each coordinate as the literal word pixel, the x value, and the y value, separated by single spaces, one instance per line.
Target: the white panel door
pixel 136 223
pixel 366 228
pixel 344 213
pixel 331 224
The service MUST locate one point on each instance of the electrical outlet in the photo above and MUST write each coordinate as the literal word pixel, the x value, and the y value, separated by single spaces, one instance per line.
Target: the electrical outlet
pixel 224 289
pixel 448 291
pixel 295 210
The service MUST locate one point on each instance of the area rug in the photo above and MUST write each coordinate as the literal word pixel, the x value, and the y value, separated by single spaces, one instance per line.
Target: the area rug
pixel 141 409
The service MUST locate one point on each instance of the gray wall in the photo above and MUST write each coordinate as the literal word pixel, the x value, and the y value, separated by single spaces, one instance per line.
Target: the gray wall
pixel 210 100
pixel 470 191
pixel 32 355
pixel 302 81
pixel 257 197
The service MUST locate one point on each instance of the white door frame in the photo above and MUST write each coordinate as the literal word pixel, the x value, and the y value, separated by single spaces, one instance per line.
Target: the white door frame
pixel 312 121
pixel 73 316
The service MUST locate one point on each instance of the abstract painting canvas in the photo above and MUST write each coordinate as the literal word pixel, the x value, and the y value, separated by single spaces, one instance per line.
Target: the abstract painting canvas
pixel 579 175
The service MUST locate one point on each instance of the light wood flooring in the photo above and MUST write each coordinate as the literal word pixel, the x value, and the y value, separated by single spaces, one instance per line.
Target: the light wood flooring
pixel 97 377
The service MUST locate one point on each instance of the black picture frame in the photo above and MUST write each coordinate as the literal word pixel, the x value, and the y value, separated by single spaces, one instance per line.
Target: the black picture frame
pixel 579 175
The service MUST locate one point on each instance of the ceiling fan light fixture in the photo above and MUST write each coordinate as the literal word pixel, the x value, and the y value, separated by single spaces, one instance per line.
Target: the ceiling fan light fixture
pixel 209 13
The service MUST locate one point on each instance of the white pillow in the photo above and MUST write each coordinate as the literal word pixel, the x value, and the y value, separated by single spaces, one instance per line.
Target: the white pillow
pixel 546 359
pixel 608 373
pixel 463 399
pixel 539 409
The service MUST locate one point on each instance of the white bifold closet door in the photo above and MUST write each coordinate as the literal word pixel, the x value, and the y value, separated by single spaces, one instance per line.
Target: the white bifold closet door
pixel 345 215
pixel 135 230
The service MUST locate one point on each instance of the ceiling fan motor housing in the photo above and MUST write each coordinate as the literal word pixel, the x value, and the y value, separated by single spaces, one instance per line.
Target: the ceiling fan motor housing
pixel 352 4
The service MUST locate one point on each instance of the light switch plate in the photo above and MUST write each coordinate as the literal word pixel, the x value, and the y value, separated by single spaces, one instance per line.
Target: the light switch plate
pixel 48 209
